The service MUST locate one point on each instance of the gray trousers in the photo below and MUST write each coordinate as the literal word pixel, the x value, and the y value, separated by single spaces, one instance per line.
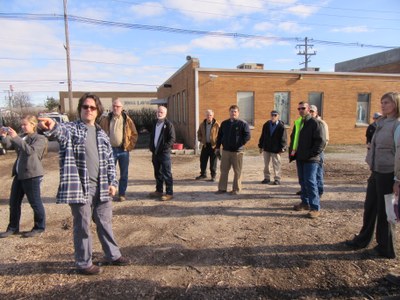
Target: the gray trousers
pixel 102 215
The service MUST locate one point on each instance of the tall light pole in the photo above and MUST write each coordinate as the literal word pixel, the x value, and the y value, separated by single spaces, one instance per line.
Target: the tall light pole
pixel 68 56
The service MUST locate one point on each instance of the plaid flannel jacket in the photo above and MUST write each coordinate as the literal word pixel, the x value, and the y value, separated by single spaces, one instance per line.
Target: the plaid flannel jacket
pixel 74 177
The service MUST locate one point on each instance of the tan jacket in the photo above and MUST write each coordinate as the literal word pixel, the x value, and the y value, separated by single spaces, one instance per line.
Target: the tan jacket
pixel 201 133
pixel 326 130
pixel 130 136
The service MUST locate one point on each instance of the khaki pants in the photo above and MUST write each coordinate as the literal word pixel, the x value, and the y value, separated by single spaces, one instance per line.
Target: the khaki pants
pixel 276 165
pixel 228 160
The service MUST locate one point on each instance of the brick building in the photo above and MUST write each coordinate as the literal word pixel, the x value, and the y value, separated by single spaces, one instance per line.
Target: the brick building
pixel 383 62
pixel 346 101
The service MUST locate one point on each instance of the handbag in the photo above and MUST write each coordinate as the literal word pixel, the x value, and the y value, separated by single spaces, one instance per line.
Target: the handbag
pixel 392 210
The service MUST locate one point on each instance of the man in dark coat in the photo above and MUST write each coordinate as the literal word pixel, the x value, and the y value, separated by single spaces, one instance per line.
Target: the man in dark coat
pixel 162 138
pixel 272 143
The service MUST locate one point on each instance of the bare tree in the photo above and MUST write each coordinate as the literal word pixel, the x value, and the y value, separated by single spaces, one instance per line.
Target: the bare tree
pixel 21 100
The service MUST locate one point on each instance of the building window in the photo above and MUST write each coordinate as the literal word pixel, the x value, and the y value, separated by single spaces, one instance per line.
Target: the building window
pixel 281 104
pixel 315 98
pixel 184 107
pixel 179 107
pixel 245 101
pixel 363 108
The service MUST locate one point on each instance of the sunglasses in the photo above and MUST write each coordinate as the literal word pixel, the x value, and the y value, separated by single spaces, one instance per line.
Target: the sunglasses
pixel 86 107
pixel 273 115
pixel 301 108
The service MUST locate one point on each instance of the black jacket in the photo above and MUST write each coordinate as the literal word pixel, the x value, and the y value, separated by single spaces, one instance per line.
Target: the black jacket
pixel 311 141
pixel 233 135
pixel 370 132
pixel 166 139
pixel 276 142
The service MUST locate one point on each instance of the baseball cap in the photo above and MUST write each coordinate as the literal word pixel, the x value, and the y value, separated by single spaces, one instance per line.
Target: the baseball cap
pixel 377 115
pixel 313 108
pixel 274 112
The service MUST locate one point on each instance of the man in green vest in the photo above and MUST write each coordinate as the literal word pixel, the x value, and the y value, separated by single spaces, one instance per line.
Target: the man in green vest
pixel 307 142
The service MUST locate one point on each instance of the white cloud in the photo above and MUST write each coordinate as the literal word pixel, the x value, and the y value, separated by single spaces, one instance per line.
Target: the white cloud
pixel 214 43
pixel 148 9
pixel 175 49
pixel 351 29
pixel 291 27
pixel 264 26
pixel 100 53
pixel 203 11
pixel 302 10
pixel 22 38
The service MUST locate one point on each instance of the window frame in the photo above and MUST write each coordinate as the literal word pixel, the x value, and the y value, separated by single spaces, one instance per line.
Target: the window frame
pixel 367 108
pixel 241 109
pixel 279 109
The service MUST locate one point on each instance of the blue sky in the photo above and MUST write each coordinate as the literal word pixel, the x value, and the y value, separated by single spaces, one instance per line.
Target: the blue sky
pixel 134 48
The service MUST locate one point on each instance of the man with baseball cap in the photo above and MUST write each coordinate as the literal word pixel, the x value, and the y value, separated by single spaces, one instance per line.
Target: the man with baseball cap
pixel 272 143
pixel 320 172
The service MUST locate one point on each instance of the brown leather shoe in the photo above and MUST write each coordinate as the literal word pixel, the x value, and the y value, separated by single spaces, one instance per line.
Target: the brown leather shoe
pixel 92 270
pixel 166 197
pixel 313 214
pixel 155 194
pixel 122 261
pixel 121 198
pixel 7 233
pixel 301 206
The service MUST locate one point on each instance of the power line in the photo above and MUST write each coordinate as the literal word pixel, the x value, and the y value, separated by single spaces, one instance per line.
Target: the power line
pixel 180 30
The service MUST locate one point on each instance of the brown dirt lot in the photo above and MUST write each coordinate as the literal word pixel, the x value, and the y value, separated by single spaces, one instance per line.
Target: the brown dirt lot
pixel 202 245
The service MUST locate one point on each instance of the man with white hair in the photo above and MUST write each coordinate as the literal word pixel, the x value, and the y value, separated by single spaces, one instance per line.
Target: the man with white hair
pixel 207 136
pixel 162 137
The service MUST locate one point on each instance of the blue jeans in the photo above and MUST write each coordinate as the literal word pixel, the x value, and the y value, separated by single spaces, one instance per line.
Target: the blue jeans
pixel 31 188
pixel 307 174
pixel 320 174
pixel 122 157
pixel 162 172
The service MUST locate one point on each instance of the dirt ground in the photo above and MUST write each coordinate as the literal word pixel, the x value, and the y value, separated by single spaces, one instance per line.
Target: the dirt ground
pixel 202 245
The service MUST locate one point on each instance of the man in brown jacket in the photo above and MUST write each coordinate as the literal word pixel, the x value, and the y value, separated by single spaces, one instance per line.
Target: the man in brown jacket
pixel 123 136
pixel 207 136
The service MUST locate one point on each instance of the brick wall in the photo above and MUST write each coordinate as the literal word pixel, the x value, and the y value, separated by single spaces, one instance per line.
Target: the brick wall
pixel 340 94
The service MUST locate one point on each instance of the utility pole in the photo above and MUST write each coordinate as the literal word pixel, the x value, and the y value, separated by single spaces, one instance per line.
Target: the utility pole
pixel 67 49
pixel 306 52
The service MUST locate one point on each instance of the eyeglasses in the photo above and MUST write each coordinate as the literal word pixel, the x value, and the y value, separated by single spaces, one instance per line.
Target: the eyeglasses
pixel 117 106
pixel 86 107
pixel 301 108
pixel 311 111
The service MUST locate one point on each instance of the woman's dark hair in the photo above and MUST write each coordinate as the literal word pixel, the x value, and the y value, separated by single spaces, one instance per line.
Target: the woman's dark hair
pixel 96 99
